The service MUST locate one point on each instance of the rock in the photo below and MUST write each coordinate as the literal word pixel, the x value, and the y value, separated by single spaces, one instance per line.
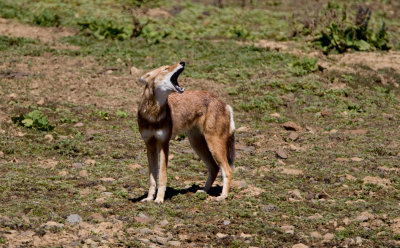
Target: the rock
pixel 328 237
pixel 221 235
pixel 342 160
pixel 83 173
pixel 40 102
pixel 269 208
pixel 53 225
pixel 49 137
pixel 333 131
pixel 79 124
pixel 246 236
pixel 358 240
pixel 315 235
pixel 135 71
pixel 1 154
pixel 142 218
pixel 325 113
pixel 355 159
pixel 290 125
pixel 276 115
pixel 295 194
pixel 346 221
pixel 161 240
pixel 349 241
pixel 288 229
pixel 90 162
pixel 97 216
pixel 226 222
pixel 364 216
pixel 63 173
pixel 12 96
pixel 242 129
pixel 315 217
pixel 85 192
pixel 350 177
pixel 290 171
pixel 101 188
pixel 293 136
pixel 145 231
pixel 281 153
pixel 377 181
pixel 78 165
pixel 134 166
pixel 74 218
pixel 170 157
pixel 174 243
pixel 107 179
pixel 164 223
pixel 299 245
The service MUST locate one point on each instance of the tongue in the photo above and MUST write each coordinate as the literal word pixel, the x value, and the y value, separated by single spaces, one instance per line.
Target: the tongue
pixel 179 88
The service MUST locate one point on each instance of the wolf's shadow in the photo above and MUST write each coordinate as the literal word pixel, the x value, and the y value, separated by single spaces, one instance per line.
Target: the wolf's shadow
pixel 171 192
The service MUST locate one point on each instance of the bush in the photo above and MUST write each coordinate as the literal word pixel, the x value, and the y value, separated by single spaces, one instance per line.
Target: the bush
pixel 107 29
pixel 47 18
pixel 35 119
pixel 357 37
pixel 304 66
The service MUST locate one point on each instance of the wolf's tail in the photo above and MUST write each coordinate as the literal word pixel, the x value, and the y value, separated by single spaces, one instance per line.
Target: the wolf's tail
pixel 230 145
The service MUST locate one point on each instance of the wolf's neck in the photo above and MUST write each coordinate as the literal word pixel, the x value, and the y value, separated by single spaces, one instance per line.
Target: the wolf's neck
pixel 153 104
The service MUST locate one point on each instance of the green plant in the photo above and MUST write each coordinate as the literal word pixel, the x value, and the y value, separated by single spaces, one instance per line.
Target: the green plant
pixel 105 30
pixel 47 18
pixel 304 66
pixel 102 114
pixel 35 119
pixel 122 114
pixel 359 37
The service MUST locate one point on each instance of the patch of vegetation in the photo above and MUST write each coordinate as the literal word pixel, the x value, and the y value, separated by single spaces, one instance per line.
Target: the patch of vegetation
pixel 47 18
pixel 105 29
pixel 35 119
pixel 359 37
pixel 303 66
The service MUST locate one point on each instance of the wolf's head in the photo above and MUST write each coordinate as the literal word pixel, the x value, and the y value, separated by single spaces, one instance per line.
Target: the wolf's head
pixel 165 78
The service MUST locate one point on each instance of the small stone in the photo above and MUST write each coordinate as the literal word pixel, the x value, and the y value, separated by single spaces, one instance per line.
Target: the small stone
pixel 325 113
pixel 12 96
pixel 79 124
pixel 242 129
pixel 145 231
pixel 221 235
pixel 107 179
pixel 299 245
pixel 226 222
pixel 315 217
pixel 49 137
pixel 52 225
pixel 63 173
pixel 171 156
pixel 134 166
pixel 74 218
pixel 293 136
pixel 295 194
pixel 40 102
pixel 85 192
pixel 78 165
pixel 349 241
pixel 164 223
pixel 83 173
pixel 342 160
pixel 174 243
pixel 290 125
pixel 358 240
pixel 1 154
pixel 281 153
pixel 269 208
pixel 315 235
pixel 355 159
pixel 328 237
pixel 101 188
pixel 97 216
pixel 142 218
pixel 288 229
pixel 134 71
pixel 350 177
pixel 276 115
pixel 364 216
pixel 90 162
pixel 246 236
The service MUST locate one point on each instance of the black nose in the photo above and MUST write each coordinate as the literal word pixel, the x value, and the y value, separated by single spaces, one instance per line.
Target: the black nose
pixel 182 63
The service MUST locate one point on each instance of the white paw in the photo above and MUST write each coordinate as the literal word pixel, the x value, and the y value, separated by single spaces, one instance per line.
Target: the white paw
pixel 159 200
pixel 147 199
pixel 200 191
pixel 221 198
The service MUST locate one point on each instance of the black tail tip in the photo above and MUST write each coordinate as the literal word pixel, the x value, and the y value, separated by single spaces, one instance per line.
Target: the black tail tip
pixel 182 63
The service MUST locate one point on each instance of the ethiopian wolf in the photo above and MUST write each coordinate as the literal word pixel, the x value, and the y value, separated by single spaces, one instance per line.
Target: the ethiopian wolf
pixel 166 110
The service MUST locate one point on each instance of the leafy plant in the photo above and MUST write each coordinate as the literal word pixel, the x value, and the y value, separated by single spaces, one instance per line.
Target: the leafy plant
pixel 103 114
pixel 358 37
pixel 47 18
pixel 35 119
pixel 304 66
pixel 105 30
pixel 122 114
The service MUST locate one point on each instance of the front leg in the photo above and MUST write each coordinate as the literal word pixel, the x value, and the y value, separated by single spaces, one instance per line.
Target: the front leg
pixel 162 171
pixel 152 157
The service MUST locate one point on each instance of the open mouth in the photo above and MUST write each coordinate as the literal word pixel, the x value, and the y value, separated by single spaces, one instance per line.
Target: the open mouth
pixel 174 80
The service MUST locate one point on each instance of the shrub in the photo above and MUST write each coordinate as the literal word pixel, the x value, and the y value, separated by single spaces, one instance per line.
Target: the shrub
pixel 47 18
pixel 359 36
pixel 105 29
pixel 35 119
pixel 304 66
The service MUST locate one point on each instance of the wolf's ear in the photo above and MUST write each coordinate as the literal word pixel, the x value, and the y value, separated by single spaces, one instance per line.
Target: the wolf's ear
pixel 143 79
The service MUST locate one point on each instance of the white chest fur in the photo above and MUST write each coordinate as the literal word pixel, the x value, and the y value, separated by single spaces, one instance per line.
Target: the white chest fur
pixel 159 134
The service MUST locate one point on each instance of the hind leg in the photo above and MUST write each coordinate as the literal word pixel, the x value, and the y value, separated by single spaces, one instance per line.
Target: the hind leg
pixel 199 144
pixel 217 147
